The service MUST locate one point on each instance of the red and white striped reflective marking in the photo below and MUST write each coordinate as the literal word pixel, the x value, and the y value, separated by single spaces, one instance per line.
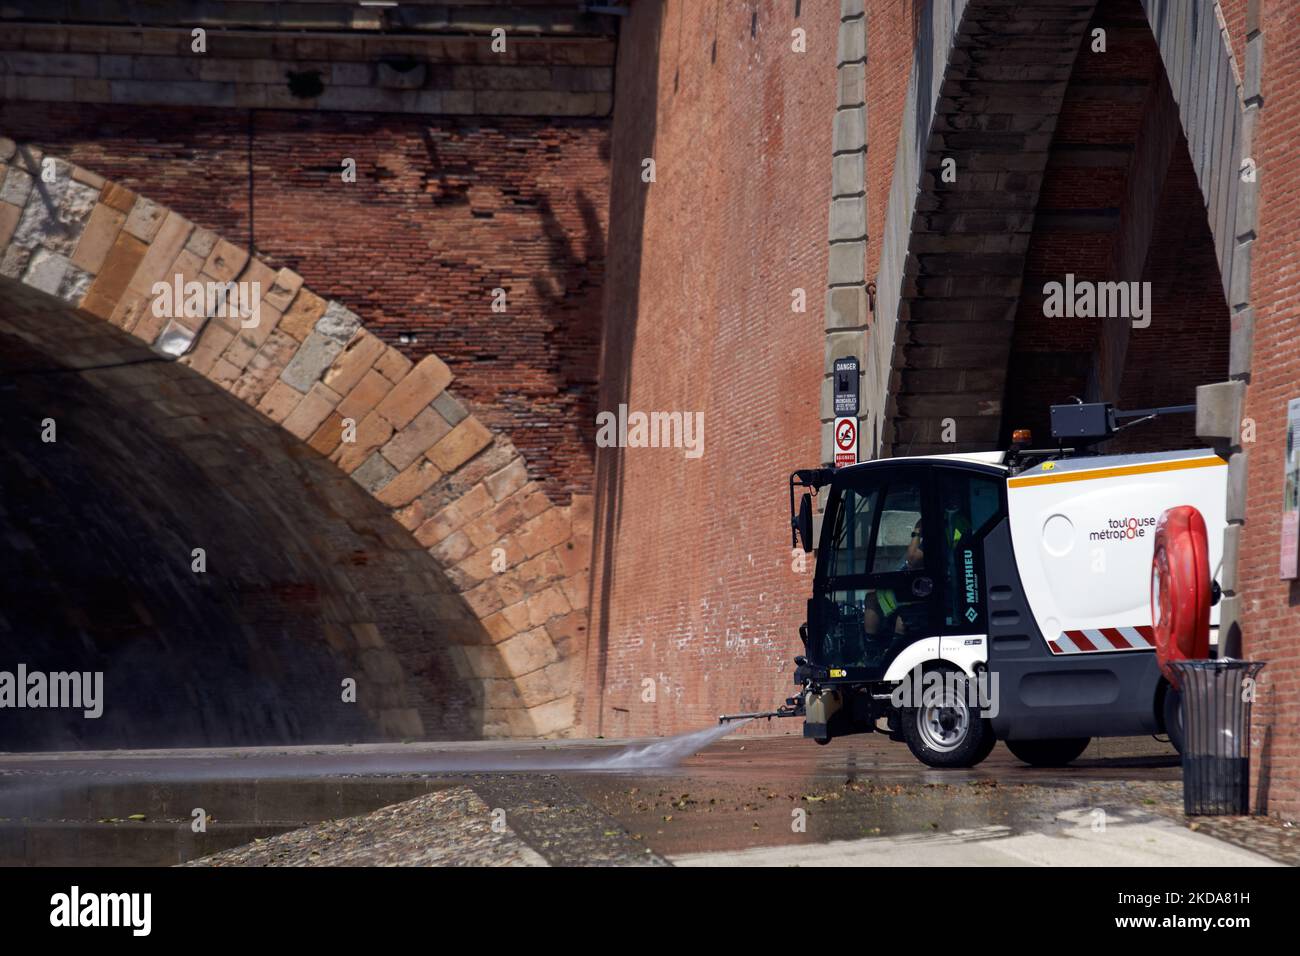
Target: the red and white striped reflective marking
pixel 1093 640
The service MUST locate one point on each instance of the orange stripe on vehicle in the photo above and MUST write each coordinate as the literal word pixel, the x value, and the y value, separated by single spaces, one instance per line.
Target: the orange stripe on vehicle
pixel 1118 472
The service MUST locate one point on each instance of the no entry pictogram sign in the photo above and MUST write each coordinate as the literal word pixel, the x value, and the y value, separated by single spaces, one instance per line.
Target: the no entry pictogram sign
pixel 846 442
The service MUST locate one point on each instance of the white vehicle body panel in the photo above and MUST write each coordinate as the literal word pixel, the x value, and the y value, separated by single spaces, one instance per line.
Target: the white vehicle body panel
pixel 1083 532
pixel 964 651
pixel 912 656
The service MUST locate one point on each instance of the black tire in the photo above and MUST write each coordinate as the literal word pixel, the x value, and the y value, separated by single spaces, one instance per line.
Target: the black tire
pixel 1049 753
pixel 822 741
pixel 971 735
pixel 1173 717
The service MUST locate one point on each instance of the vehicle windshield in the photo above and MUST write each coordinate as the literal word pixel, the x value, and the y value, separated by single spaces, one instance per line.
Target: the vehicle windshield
pixel 866 605
pixel 889 573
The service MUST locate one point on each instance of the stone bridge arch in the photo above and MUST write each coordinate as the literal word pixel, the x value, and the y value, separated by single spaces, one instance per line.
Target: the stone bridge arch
pixel 79 256
pixel 993 84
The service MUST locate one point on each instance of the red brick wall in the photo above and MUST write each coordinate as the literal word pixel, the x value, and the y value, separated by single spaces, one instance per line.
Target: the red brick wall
pixel 444 210
pixel 694 573
pixel 1270 606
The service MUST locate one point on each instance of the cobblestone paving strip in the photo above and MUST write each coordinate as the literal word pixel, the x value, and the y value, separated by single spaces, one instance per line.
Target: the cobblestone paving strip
pixel 561 825
pixel 446 828
pixel 1276 839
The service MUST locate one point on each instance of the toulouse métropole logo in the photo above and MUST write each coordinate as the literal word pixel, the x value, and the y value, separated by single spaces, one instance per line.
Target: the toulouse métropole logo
pixel 194 299
pixel 624 429
pixel 1123 529
pixel 82 690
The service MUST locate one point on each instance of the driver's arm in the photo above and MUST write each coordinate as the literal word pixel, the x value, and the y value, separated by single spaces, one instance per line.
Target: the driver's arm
pixel 915 555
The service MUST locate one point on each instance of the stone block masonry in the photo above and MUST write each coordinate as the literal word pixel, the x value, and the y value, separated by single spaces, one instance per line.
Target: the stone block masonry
pixel 556 62
pixel 444 212
pixel 515 557
pixel 847 304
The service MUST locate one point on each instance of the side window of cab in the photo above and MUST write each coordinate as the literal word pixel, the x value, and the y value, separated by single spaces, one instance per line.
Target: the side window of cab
pixel 969 506
pixel 850 541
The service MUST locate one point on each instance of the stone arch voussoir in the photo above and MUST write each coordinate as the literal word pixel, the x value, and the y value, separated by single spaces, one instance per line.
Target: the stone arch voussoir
pixel 309 365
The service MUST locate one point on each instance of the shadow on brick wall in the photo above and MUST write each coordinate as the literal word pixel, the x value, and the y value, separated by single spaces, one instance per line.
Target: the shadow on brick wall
pixel 636 98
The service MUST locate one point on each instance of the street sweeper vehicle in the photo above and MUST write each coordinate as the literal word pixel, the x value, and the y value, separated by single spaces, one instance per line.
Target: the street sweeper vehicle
pixel 959 600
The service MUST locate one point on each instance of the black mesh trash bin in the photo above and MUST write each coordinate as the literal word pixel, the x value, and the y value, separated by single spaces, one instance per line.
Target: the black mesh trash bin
pixel 1216 735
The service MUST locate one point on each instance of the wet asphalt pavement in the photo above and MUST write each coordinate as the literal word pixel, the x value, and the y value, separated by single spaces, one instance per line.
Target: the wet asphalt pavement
pixel 740 792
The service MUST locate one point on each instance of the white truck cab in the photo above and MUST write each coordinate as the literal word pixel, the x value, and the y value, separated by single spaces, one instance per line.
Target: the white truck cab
pixel 1020 586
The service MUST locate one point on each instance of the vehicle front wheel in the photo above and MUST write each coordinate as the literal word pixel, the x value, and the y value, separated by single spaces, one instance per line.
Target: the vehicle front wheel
pixel 1049 753
pixel 951 734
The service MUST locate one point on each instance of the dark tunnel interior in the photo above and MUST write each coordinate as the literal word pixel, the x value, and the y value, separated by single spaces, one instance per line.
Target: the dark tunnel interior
pixel 308 580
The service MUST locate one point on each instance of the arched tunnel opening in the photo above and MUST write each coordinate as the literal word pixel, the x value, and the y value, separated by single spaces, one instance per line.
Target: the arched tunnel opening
pixel 1069 176
pixel 226 580
pixel 1120 203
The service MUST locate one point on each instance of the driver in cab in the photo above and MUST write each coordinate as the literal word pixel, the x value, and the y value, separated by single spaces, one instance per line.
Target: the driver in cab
pixel 889 615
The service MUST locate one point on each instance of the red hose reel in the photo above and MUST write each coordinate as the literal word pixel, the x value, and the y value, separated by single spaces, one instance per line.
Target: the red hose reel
pixel 1180 589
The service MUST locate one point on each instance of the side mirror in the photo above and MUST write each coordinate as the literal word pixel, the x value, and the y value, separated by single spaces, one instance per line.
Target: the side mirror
pixel 804 523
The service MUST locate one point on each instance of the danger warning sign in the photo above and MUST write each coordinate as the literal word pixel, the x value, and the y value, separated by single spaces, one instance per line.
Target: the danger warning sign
pixel 846 442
